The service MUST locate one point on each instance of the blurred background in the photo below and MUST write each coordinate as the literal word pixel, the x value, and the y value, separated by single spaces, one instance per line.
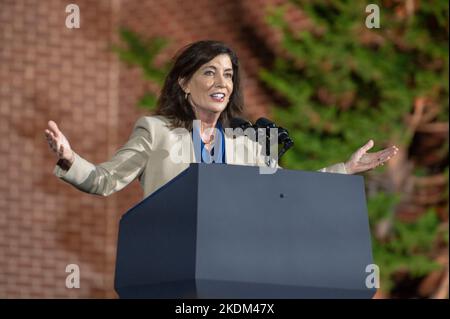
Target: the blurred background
pixel 312 66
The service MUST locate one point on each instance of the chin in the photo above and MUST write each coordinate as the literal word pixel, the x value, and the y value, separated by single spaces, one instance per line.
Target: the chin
pixel 216 108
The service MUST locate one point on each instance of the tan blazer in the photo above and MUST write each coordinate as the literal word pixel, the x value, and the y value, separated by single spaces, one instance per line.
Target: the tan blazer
pixel 146 155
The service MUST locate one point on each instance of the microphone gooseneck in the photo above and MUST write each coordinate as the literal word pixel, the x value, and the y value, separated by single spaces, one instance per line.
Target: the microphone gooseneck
pixel 263 123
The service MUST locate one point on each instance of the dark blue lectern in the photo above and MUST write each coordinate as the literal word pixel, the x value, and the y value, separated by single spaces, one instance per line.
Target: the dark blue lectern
pixel 226 231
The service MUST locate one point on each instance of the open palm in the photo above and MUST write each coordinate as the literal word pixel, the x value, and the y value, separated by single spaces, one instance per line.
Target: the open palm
pixel 361 161
pixel 58 142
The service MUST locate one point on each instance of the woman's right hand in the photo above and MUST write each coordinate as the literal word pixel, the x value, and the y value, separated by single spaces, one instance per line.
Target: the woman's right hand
pixel 59 143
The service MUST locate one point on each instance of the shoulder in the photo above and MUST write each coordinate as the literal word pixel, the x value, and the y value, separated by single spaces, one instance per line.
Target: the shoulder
pixel 152 122
pixel 156 128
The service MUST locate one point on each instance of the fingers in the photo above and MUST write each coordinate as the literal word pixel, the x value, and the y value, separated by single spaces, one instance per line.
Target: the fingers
pixel 54 128
pixel 386 154
pixel 368 161
pixel 392 149
pixel 52 141
pixel 50 136
pixel 367 146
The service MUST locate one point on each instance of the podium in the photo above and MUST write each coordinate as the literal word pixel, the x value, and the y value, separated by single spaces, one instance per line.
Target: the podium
pixel 227 231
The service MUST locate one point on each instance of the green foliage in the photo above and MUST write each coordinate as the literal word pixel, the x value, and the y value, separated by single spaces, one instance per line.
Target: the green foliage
pixel 142 53
pixel 344 84
pixel 409 245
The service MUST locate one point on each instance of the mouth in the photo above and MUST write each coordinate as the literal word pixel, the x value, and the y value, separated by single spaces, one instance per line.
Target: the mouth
pixel 218 97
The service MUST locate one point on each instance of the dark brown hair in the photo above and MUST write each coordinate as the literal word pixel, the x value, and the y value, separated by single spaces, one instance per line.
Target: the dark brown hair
pixel 172 102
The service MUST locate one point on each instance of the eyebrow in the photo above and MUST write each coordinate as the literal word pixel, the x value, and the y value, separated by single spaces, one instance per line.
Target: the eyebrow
pixel 213 67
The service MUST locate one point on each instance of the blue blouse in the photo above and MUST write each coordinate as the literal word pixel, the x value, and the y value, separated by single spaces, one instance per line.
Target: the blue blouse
pixel 219 144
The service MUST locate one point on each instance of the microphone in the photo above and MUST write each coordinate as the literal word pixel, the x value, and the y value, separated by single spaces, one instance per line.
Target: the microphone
pixel 283 134
pixel 262 122
pixel 237 122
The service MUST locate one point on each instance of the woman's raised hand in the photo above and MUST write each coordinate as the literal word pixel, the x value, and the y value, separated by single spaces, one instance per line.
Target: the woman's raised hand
pixel 59 143
pixel 362 161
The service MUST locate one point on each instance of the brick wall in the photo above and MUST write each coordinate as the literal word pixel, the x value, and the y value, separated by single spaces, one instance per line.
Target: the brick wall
pixel 70 76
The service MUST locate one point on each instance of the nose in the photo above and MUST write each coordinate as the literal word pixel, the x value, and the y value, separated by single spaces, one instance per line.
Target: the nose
pixel 220 80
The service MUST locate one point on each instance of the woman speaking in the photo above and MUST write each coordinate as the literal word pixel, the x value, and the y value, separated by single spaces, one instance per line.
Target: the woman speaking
pixel 203 87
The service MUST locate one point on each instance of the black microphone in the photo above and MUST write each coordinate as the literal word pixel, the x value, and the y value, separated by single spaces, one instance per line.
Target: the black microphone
pixel 262 122
pixel 237 122
pixel 283 134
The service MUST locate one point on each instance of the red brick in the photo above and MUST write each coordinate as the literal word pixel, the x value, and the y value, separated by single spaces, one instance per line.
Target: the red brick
pixel 68 76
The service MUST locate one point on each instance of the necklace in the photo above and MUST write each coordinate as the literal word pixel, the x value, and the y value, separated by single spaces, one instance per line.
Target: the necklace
pixel 211 139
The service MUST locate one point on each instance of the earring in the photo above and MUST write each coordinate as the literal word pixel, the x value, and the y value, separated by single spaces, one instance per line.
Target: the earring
pixel 186 95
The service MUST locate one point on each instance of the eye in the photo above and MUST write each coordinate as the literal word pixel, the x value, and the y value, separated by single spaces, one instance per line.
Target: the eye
pixel 229 75
pixel 209 73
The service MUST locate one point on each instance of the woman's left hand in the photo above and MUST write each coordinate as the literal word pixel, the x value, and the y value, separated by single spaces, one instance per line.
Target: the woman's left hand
pixel 362 161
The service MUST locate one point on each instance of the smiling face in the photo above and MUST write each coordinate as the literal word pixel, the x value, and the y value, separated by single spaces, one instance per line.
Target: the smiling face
pixel 210 87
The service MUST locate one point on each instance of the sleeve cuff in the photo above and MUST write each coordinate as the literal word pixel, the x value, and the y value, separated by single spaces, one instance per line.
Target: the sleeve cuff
pixel 336 168
pixel 77 173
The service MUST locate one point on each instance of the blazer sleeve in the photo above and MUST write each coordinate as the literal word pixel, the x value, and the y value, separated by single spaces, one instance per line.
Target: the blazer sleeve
pixel 336 168
pixel 106 178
